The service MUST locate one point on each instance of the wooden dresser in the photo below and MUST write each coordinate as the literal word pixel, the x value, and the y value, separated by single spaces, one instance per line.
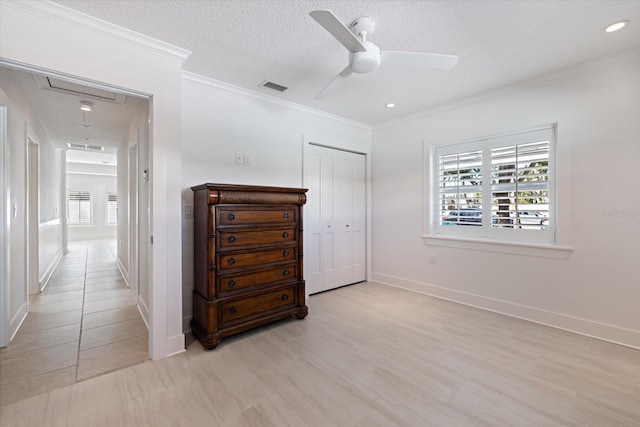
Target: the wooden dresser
pixel 247 258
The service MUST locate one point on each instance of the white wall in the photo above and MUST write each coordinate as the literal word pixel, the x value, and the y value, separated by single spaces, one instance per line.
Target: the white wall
pixel 45 35
pixel 16 177
pixel 139 120
pixel 138 136
pixel 20 118
pixel 50 229
pixel 98 186
pixel 595 290
pixel 219 121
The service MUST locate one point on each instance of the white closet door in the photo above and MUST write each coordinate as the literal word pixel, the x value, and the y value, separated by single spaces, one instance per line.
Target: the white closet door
pixel 335 218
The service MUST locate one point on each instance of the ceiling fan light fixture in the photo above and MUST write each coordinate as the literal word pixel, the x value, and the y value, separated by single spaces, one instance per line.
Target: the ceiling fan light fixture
pixel 618 25
pixel 367 61
pixel 390 105
pixel 86 106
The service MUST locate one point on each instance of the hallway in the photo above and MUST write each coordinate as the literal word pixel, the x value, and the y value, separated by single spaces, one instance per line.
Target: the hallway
pixel 84 323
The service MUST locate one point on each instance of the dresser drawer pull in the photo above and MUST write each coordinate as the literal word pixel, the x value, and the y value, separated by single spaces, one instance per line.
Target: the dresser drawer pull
pixel 285 234
pixel 285 297
pixel 285 215
pixel 285 273
pixel 232 283
pixel 232 261
pixel 231 217
pixel 231 239
pixel 285 253
pixel 233 310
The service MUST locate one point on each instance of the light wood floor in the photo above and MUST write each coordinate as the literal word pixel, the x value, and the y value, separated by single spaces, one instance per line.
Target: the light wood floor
pixel 84 323
pixel 367 355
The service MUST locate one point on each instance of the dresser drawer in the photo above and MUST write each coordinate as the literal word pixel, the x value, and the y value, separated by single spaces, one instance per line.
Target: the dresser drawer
pixel 259 278
pixel 250 216
pixel 233 238
pixel 232 310
pixel 249 259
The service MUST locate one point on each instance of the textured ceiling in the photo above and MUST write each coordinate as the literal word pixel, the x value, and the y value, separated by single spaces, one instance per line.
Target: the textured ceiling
pixel 245 42
pixel 499 43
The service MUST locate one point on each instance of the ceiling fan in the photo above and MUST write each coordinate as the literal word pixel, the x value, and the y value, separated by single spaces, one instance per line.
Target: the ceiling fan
pixel 364 56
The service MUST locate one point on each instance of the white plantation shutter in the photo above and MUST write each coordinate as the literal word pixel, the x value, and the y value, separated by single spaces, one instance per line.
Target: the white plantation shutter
pixel 501 185
pixel 79 207
pixel 112 208
pixel 520 185
pixel 460 184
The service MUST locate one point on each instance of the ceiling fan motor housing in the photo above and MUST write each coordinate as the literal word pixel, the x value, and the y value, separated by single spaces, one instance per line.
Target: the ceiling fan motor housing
pixel 367 61
pixel 365 25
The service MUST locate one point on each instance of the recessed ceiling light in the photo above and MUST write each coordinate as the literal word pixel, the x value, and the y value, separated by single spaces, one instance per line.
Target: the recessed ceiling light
pixel 86 106
pixel 86 139
pixel 390 105
pixel 615 26
pixel 86 126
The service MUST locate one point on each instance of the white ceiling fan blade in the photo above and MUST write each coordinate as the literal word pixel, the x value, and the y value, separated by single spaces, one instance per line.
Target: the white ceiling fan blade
pixel 419 59
pixel 338 30
pixel 334 83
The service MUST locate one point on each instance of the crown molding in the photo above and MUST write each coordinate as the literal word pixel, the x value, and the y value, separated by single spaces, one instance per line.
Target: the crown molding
pixel 207 81
pixel 80 21
pixel 583 68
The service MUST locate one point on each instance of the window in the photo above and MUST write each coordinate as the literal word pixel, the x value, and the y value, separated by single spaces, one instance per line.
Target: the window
pixel 112 208
pixel 79 207
pixel 496 188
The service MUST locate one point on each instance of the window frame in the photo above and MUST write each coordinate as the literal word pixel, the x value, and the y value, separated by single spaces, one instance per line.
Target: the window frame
pixel 509 237
pixel 91 208
pixel 108 194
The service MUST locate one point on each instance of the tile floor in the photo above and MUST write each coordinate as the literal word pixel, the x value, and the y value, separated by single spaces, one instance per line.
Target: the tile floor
pixel 84 323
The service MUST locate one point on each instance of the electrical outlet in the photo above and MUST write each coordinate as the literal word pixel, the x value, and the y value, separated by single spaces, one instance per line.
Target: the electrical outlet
pixel 188 211
pixel 239 158
pixel 247 160
pixel 432 259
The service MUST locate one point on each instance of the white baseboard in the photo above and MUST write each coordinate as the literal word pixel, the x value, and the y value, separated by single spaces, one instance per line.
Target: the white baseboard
pixel 123 271
pixel 175 345
pixel 44 280
pixel 590 328
pixel 16 321
pixel 144 310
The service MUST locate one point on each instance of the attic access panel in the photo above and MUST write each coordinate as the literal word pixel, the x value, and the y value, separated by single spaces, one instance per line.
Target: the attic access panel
pixel 70 88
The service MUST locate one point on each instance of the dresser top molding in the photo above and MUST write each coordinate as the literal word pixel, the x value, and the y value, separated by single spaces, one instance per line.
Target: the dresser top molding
pixel 234 194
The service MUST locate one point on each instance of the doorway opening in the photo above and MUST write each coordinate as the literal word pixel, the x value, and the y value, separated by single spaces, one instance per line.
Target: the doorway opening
pixel 80 266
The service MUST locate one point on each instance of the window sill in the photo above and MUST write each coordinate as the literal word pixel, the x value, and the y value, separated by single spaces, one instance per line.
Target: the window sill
pixel 515 248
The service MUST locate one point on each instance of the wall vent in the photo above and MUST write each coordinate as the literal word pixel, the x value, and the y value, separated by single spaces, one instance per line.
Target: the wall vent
pixel 79 146
pixel 274 86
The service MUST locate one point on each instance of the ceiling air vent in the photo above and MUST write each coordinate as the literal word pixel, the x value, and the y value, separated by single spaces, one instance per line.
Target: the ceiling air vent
pixel 79 146
pixel 274 86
